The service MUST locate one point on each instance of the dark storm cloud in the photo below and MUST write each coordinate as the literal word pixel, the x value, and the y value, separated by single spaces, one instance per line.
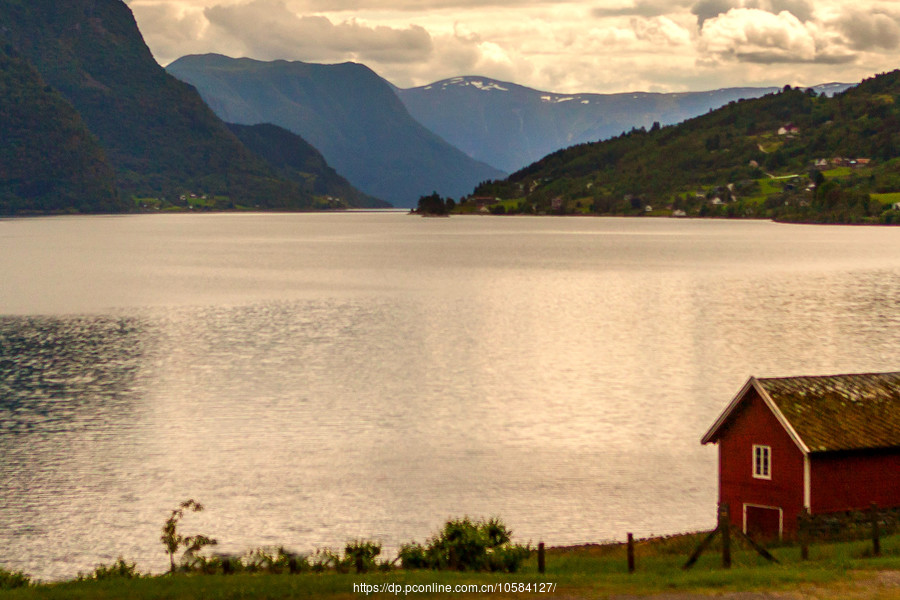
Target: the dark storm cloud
pixel 268 29
pixel 780 58
pixel 710 9
pixel 641 8
pixel 415 5
pixel 802 9
pixel 870 30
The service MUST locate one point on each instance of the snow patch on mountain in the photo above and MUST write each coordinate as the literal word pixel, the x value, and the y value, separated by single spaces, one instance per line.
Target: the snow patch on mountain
pixel 480 84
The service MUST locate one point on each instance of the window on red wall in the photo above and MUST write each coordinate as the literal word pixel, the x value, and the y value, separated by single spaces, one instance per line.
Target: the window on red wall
pixel 762 462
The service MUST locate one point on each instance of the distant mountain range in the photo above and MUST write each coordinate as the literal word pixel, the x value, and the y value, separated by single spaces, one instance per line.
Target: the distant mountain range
pixel 510 126
pixel 348 113
pixel 792 155
pixel 91 123
pixel 100 122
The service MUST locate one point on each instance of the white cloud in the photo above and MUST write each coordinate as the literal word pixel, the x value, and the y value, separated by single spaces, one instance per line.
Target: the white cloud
pixel 563 46
pixel 272 31
pixel 660 31
pixel 758 36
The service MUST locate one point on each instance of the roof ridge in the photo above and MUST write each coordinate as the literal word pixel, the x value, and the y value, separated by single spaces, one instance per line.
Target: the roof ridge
pixel 869 373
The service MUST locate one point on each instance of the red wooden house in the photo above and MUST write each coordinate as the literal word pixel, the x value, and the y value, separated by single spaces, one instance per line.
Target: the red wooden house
pixel 829 444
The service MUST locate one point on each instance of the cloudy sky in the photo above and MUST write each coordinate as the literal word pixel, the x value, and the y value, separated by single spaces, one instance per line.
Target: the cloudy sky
pixel 553 45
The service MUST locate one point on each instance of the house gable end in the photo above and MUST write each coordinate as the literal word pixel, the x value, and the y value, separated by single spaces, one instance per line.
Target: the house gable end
pixel 733 408
pixel 760 465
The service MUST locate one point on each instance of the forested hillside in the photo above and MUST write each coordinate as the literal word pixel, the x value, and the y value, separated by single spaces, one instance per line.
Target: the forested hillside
pixel 793 155
pixel 49 161
pixel 296 160
pixel 164 144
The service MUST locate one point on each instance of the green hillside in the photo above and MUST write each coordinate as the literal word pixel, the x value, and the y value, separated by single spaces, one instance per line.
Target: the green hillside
pixel 49 161
pixel 792 156
pixel 296 160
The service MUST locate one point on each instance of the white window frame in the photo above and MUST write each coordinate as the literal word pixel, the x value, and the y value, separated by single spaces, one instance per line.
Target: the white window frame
pixel 761 461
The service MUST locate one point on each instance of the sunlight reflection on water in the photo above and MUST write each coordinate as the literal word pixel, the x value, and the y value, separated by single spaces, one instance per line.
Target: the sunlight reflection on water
pixel 318 378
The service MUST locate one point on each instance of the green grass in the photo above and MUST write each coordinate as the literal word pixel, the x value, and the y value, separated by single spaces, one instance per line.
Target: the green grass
pixel 837 172
pixel 888 198
pixel 203 202
pixel 147 203
pixel 510 205
pixel 768 143
pixel 769 186
pixel 588 571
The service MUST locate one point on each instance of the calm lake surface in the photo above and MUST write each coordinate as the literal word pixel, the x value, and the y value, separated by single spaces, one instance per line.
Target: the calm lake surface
pixel 316 378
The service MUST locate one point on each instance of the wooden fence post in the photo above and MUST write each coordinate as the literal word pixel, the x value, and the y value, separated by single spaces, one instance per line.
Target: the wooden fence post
pixel 630 553
pixel 876 541
pixel 542 559
pixel 725 530
pixel 759 549
pixel 803 532
pixel 699 549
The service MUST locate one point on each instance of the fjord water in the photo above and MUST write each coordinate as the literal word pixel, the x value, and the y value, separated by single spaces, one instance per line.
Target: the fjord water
pixel 316 378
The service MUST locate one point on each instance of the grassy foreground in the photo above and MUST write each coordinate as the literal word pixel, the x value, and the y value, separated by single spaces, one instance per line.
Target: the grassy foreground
pixel 841 570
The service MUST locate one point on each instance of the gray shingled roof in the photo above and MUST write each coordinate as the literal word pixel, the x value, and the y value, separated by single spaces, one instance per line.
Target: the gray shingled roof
pixel 840 412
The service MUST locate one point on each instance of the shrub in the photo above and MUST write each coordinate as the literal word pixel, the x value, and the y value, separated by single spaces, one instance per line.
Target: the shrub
pixel 508 558
pixel 198 563
pixel 262 560
pixel 119 569
pixel 361 554
pixel 464 545
pixel 326 559
pixel 296 563
pixel 258 560
pixel 13 579
pixel 413 556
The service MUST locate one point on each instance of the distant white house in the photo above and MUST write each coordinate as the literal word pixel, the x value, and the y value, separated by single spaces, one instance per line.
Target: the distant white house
pixel 790 128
